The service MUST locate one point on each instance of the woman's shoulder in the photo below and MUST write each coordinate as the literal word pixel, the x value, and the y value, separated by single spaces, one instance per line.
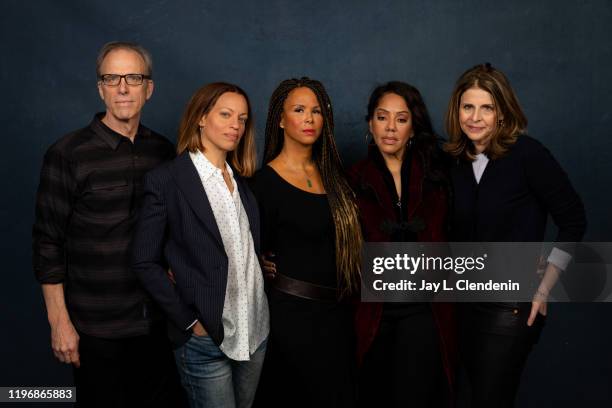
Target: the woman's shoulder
pixel 527 144
pixel 528 149
pixel 366 177
pixel 359 165
pixel 160 174
pixel 263 176
pixel 362 172
pixel 354 171
pixel 264 182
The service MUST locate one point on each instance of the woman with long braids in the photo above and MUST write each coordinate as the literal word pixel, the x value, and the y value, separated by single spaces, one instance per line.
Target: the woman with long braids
pixel 310 224
pixel 402 191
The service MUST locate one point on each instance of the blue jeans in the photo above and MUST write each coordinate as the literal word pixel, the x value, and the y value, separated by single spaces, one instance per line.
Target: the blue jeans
pixel 212 380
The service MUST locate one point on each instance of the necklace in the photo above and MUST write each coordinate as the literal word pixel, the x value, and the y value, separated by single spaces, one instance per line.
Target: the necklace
pixel 308 178
pixel 308 181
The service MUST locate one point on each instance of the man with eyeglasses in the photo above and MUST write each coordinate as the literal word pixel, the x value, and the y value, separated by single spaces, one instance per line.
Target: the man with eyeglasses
pixel 102 321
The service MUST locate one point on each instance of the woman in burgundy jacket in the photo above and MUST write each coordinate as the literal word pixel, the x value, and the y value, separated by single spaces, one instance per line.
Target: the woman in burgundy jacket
pixel 406 350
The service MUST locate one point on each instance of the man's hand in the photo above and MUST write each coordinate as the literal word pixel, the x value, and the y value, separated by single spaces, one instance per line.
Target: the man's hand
pixel 64 337
pixel 65 342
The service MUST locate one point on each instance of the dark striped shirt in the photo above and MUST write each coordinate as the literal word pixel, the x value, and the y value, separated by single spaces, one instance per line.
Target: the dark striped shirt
pixel 87 205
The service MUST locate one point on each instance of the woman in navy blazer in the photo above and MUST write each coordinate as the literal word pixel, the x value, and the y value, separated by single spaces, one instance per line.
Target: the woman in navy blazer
pixel 195 224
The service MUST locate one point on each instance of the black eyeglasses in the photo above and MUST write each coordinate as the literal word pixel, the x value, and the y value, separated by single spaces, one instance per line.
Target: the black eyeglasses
pixel 130 79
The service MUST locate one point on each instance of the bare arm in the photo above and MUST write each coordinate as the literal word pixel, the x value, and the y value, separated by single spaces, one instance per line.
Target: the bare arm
pixel 64 338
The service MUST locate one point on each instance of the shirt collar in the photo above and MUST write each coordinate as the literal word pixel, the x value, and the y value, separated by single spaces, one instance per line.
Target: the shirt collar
pixel 112 138
pixel 481 157
pixel 205 168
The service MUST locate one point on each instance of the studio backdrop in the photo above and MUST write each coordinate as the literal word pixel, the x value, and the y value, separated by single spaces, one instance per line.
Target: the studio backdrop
pixel 557 55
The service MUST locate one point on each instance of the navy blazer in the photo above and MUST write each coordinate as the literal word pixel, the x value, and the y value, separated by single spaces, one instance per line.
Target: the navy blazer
pixel 177 230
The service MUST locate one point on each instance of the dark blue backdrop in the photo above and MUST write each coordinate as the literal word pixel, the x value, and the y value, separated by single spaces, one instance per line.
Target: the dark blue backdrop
pixel 558 56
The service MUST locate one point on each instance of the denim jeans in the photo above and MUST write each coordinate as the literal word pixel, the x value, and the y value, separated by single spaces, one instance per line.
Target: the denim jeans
pixel 212 380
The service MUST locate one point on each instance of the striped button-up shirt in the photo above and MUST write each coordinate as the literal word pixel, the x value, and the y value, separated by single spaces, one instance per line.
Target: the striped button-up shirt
pixel 86 208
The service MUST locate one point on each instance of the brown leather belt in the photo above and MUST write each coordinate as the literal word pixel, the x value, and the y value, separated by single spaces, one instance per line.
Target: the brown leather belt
pixel 303 289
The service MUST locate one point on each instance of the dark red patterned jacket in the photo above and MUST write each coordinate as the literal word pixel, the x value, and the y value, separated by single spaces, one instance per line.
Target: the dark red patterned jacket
pixel 427 211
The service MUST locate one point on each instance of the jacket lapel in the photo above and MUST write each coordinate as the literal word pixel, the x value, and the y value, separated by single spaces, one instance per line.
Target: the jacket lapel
pixel 371 181
pixel 415 185
pixel 187 179
pixel 490 168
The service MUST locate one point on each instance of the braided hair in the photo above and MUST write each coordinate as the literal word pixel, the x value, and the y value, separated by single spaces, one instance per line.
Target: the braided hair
pixel 348 238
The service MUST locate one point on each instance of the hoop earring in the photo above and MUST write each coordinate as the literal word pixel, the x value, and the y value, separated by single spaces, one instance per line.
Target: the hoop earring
pixel 367 138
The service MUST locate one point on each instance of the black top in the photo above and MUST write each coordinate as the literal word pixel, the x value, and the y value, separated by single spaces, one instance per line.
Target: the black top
pixel 297 226
pixel 400 232
pixel 86 208
pixel 514 197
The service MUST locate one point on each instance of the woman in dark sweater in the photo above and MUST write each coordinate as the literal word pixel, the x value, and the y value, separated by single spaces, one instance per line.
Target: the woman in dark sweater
pixel 402 194
pixel 505 185
pixel 310 222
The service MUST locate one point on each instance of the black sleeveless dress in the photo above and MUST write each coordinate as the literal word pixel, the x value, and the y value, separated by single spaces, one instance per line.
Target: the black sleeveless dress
pixel 311 348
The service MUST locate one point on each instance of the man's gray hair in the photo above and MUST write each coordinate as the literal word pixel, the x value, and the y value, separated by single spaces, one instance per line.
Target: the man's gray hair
pixel 116 45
